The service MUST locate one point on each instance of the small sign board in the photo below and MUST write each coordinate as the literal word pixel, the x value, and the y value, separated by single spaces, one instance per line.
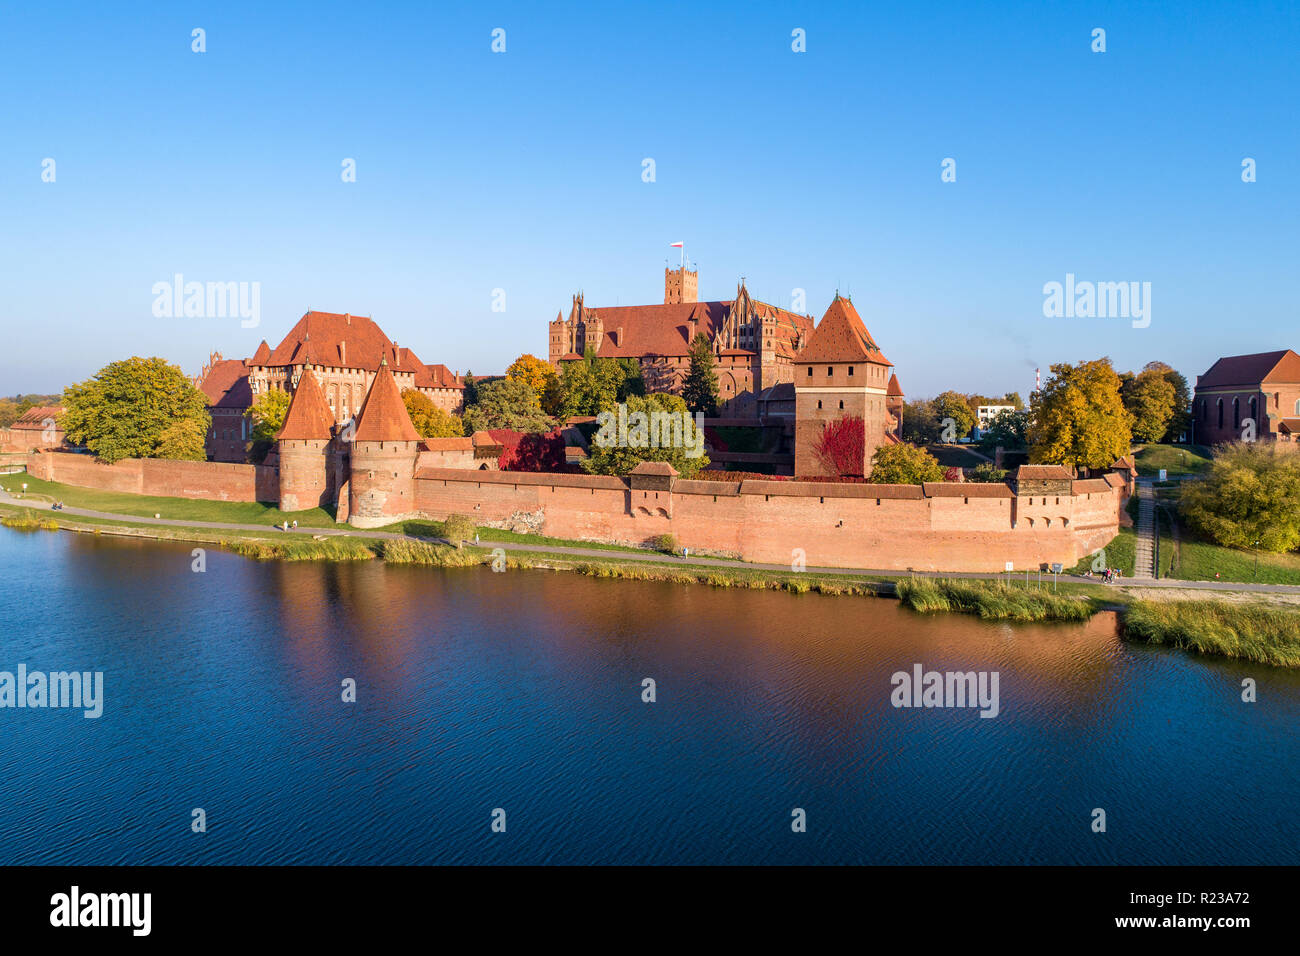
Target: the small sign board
pixel 1057 568
pixel 1164 474
pixel 1010 566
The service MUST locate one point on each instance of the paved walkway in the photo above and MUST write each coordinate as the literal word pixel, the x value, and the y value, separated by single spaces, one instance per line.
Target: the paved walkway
pixel 1144 563
pixel 633 556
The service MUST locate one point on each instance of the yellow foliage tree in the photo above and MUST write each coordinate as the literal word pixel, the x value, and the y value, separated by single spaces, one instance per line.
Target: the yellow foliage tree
pixel 538 375
pixel 1078 419
pixel 429 420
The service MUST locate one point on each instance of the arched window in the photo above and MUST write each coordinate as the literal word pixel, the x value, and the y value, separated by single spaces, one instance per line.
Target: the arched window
pixel 1220 413
pixel 1236 414
pixel 841 404
pixel 1252 408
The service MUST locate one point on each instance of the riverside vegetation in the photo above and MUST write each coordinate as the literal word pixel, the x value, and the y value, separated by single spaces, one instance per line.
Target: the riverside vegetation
pixel 1250 632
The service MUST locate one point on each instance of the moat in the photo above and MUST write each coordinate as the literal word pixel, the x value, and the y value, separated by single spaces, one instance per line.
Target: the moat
pixel 523 691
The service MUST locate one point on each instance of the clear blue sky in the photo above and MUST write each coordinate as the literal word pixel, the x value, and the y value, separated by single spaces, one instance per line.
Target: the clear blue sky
pixel 522 171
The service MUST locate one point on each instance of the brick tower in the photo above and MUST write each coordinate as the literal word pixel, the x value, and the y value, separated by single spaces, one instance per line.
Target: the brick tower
pixel 681 285
pixel 305 445
pixel 841 373
pixel 385 445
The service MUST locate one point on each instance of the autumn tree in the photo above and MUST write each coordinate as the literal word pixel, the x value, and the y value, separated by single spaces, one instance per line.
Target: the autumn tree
pixel 841 448
pixel 1180 422
pixel 532 371
pixel 701 386
pixel 266 415
pixel 904 465
pixel 137 408
pixel 429 420
pixel 1079 419
pixel 1149 398
pixel 1249 498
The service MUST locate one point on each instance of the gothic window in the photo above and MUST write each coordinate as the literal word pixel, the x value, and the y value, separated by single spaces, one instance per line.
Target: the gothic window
pixel 1220 413
pixel 819 403
pixel 1236 414
pixel 1252 406
pixel 850 371
pixel 841 404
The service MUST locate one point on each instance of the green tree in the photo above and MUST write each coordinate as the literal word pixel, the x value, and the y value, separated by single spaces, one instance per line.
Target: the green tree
pixel 953 405
pixel 1008 429
pixel 987 473
pixel 137 408
pixel 507 403
pixel 1249 498
pixel 1079 420
pixel 681 444
pixel 921 422
pixel 700 389
pixel 904 465
pixel 593 384
pixel 1149 398
pixel 1180 422
pixel 429 420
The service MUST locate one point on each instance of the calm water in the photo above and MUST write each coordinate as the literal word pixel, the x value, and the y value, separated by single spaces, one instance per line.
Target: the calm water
pixel 522 691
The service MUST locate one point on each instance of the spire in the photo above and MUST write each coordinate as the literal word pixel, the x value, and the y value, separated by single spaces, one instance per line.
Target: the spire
pixel 383 416
pixel 309 417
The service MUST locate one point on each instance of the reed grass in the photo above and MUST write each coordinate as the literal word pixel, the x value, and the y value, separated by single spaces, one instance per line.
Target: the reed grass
pixel 29 520
pixel 989 600
pixel 1251 632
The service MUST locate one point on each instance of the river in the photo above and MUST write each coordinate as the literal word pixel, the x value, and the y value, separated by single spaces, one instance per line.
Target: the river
pixel 522 691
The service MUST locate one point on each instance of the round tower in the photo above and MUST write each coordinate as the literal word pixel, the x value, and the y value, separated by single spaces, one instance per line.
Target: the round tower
pixel 385 446
pixel 304 446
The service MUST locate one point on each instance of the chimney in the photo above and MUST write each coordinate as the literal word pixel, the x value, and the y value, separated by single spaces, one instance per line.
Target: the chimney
pixel 347 317
pixel 618 336
pixel 343 353
pixel 691 337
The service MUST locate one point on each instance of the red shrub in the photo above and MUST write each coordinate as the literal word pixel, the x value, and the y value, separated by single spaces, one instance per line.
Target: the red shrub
pixel 842 447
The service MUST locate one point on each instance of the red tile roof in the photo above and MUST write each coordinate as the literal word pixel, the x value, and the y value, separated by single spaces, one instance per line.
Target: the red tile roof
pixel 1290 425
pixel 666 329
pixel 262 355
pixel 894 388
pixel 659 468
pixel 1252 370
pixel 841 336
pixel 35 416
pixel 1040 472
pixel 309 417
pixel 383 415
pixel 226 384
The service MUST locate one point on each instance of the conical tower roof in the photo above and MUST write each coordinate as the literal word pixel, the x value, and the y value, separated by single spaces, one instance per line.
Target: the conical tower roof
pixel 383 416
pixel 309 417
pixel 841 336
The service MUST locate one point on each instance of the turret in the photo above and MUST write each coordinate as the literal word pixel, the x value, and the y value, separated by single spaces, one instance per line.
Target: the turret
pixel 384 448
pixel 304 443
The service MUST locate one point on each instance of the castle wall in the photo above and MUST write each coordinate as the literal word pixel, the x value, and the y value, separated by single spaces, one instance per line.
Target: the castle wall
pixel 207 480
pixel 306 476
pixel 889 527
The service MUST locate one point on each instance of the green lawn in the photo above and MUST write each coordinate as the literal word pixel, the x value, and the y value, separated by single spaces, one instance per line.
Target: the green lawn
pixel 1121 553
pixel 424 528
pixel 1195 559
pixel 1175 459
pixel 186 509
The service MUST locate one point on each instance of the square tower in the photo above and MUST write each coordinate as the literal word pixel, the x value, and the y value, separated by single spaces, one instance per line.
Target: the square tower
pixel 681 285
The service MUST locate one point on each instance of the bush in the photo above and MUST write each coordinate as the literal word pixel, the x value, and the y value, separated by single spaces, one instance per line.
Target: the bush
pixel 458 529
pixel 667 543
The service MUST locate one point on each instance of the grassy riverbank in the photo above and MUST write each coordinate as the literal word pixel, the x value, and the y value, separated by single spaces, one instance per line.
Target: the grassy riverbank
pixel 991 600
pixel 1236 627
pixel 1265 635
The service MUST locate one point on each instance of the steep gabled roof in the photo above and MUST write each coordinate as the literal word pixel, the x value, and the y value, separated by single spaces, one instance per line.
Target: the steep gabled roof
pixel 1282 366
pixel 894 388
pixel 35 416
pixel 226 385
pixel 325 338
pixel 383 416
pixel 666 329
pixel 262 355
pixel 841 336
pixel 309 416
